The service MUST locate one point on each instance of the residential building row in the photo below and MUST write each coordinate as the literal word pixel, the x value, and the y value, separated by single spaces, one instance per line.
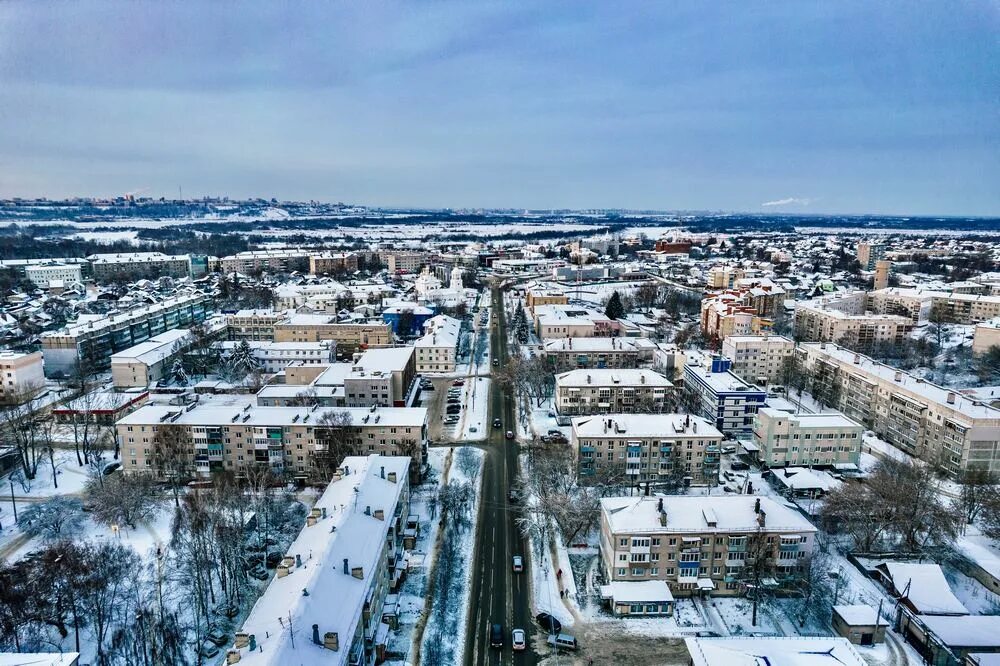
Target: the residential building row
pixel 289 326
pixel 437 349
pixel 272 357
pixel 568 353
pixel 846 319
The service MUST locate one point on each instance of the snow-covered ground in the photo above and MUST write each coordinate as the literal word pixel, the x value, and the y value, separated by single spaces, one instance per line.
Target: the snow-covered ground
pixel 476 394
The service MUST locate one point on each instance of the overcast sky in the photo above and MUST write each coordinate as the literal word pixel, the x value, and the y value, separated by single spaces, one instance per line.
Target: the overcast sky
pixel 868 107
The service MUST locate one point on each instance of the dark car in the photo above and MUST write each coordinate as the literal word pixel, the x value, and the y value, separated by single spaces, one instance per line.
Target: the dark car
pixel 496 635
pixel 510 434
pixel 549 623
pixel 496 361
pixel 497 423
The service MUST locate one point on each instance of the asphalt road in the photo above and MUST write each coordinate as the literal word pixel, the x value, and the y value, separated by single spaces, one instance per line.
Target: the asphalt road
pixel 498 594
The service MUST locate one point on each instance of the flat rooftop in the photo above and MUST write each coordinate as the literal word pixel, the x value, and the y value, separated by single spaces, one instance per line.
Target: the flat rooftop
pixel 694 513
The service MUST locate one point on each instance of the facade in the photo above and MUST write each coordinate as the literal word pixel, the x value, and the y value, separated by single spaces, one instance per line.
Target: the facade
pixel 869 253
pixel 727 315
pixel 382 377
pixel 538 296
pixel 844 318
pixel 859 623
pixel 985 337
pixel 350 337
pixel 138 265
pixel 253 324
pixel 726 400
pixel 881 280
pixel 605 391
pixel 336 574
pixel 92 339
pixel 806 439
pixel 758 358
pixel 333 262
pixel 21 376
pixel 276 261
pixel 646 447
pixel 920 418
pixel 149 361
pixel 43 274
pixel 699 544
pixel 437 349
pixel 233 434
pixel 404 262
pixel 571 353
pixel 950 307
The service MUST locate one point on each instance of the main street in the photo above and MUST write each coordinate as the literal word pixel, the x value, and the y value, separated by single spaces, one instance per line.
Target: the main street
pixel 498 595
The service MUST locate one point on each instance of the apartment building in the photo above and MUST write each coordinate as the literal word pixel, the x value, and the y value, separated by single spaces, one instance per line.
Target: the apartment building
pixel 336 574
pixel 722 277
pixel 276 356
pixel 539 296
pixel 869 253
pixel 437 349
pixel 985 337
pixel 699 545
pixel 920 418
pixel 92 339
pixel 21 376
pixel 42 275
pixel 254 324
pixel 570 321
pixel 806 439
pixel 758 358
pixel 333 262
pixel 965 308
pixel 726 400
pixel 138 265
pixel 569 353
pixel 404 262
pixel 953 307
pixel 602 391
pixel 645 447
pixel 231 433
pixel 844 318
pixel 350 337
pixel 729 314
pixel 149 361
pixel 285 260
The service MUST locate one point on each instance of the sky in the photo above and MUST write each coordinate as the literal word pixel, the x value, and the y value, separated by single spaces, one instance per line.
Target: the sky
pixel 783 107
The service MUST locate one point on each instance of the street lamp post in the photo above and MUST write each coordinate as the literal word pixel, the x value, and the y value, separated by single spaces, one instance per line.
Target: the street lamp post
pixel 12 502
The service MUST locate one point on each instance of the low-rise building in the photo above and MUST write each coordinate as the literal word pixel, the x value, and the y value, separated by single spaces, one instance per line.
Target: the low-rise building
pixel 570 321
pixel 806 439
pixel 336 574
pixel 149 361
pixel 254 324
pixel 985 337
pixel 350 337
pixel 437 349
pixel 137 265
pixel 595 391
pixel 42 275
pixel 566 353
pixel 747 651
pixel 539 296
pixel 726 400
pixel 758 358
pixel 232 433
pixel 859 623
pixel 700 544
pixel 646 447
pixel 727 314
pixel 276 356
pixel 922 419
pixel 22 376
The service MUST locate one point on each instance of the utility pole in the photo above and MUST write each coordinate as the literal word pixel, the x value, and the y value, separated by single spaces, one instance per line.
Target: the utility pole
pixel 12 502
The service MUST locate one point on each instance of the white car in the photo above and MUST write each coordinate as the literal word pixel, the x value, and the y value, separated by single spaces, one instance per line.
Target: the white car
pixel 517 640
pixel 518 563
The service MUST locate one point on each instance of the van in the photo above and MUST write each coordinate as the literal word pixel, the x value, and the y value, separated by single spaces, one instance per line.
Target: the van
pixel 496 635
pixel 562 641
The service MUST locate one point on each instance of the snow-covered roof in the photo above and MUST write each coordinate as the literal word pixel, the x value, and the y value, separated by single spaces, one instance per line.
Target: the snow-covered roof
pixel 612 377
pixel 153 350
pixel 822 420
pixel 968 631
pixel 384 359
pixel 803 478
pixel 925 587
pixel 350 531
pixel 858 614
pixel 39 658
pixel 695 513
pixel 589 344
pixel 773 652
pixel 639 591
pixel 666 426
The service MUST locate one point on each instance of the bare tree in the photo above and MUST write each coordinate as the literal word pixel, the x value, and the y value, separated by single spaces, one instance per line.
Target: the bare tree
pixel 122 499
pixel 336 438
pixel 56 518
pixel 172 456
pixel 979 488
pixel 21 427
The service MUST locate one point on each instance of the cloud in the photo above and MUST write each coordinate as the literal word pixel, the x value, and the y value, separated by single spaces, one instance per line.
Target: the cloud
pixel 797 201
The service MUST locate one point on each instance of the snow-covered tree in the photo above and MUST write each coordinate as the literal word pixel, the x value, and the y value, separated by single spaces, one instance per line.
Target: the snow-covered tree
pixel 178 373
pixel 57 518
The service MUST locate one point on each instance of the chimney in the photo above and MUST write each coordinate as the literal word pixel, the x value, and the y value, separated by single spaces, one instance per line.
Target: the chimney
pixel 899 376
pixel 347 569
pixel 382 473
pixel 380 514
pixel 316 634
pixel 324 512
pixel 298 560
pixel 233 656
pixel 756 506
pixel 951 397
pixel 368 510
pixel 242 639
pixel 392 477
pixel 331 641
pixel 857 359
pixel 642 379
pixel 358 572
pixel 761 518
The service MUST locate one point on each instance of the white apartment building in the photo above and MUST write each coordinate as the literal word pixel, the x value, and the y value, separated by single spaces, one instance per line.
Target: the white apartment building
pixel 570 321
pixel 844 318
pixel 920 418
pixel 336 574
pixel 597 391
pixel 44 274
pixel 806 439
pixel 437 349
pixel 699 544
pixel 254 324
pixel 21 376
pixel 645 447
pixel 276 356
pixel 758 358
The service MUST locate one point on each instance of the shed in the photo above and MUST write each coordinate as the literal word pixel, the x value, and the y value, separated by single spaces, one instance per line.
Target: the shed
pixel 859 623
pixel 647 597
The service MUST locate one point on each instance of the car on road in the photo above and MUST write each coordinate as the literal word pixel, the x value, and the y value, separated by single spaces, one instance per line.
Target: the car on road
pixel 549 623
pixel 496 361
pixel 554 431
pixel 427 387
pixel 511 495
pixel 458 382
pixel 510 434
pixel 496 635
pixel 497 423
pixel 518 563
pixel 451 418
pixel 739 466
pixel 517 640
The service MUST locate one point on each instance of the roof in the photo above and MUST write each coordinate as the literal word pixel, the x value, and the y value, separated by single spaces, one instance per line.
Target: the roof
pixel 39 658
pixel 589 345
pixel 611 376
pixel 153 350
pixel 975 631
pixel 925 587
pixel 803 478
pixel 773 652
pixel 335 600
pixel 823 420
pixel 640 591
pixel 858 614
pixel 666 426
pixel 385 359
pixel 692 514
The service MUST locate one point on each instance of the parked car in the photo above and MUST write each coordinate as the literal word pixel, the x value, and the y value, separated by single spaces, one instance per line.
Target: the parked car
pixel 496 361
pixel 428 387
pixel 518 563
pixel 562 641
pixel 496 635
pixel 739 466
pixel 549 623
pixel 454 409
pixel 217 636
pixel 458 382
pixel 554 431
pixel 517 640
